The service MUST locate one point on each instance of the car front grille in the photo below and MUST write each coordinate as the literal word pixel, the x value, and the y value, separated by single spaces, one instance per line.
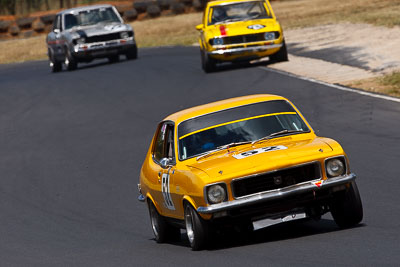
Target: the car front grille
pixel 247 38
pixel 103 38
pixel 275 180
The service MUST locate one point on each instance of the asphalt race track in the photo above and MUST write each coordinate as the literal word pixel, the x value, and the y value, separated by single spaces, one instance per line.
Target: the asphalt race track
pixel 72 143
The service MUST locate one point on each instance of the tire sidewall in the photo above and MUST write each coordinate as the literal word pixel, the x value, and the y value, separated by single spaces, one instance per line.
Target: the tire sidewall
pixel 199 227
pixel 346 207
pixel 71 63
pixel 157 224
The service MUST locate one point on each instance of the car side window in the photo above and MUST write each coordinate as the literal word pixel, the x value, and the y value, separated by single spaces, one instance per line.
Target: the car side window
pixel 164 143
pixel 170 143
pixel 158 151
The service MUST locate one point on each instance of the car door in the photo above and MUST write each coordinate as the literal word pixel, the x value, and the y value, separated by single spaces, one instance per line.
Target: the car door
pixel 54 38
pixel 164 167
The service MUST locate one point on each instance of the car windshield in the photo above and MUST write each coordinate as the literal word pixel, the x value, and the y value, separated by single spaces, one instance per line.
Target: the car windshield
pixel 90 17
pixel 247 123
pixel 239 11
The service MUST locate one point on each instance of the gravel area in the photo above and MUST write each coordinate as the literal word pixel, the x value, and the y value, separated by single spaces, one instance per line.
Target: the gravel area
pixel 342 52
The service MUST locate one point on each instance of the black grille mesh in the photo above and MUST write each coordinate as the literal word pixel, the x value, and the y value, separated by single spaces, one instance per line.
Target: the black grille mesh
pixel 104 37
pixel 275 180
pixel 247 38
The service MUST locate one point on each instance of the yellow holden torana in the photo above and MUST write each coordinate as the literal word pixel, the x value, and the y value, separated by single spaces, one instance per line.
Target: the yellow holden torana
pixel 246 162
pixel 239 30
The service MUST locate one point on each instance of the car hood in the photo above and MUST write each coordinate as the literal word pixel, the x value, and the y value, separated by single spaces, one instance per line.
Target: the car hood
pixel 265 157
pixel 101 29
pixel 244 27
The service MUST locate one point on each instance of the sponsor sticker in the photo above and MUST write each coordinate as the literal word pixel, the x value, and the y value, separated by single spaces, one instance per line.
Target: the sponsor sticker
pixel 256 26
pixel 259 151
pixel 318 184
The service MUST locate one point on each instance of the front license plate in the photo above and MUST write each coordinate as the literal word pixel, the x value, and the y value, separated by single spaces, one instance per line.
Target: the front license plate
pixel 104 52
pixel 98 52
pixel 269 222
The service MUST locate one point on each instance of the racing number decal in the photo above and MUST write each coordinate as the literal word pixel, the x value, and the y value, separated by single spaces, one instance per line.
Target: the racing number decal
pixel 258 151
pixel 166 193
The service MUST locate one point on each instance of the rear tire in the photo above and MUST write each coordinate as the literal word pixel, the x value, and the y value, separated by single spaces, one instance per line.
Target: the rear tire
pixel 281 55
pixel 70 61
pixel 162 231
pixel 132 53
pixel 346 207
pixel 196 228
pixel 208 64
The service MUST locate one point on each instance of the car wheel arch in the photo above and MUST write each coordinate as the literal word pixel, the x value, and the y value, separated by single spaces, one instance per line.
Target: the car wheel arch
pixel 149 199
pixel 188 200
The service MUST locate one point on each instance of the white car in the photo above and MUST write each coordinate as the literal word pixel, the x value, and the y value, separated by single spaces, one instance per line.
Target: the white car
pixel 85 33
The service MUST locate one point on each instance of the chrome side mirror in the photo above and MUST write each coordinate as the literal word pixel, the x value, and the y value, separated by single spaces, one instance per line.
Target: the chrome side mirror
pixel 165 163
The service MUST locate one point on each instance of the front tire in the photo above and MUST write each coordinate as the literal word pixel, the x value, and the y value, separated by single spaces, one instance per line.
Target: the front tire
pixel 196 228
pixel 207 63
pixel 132 53
pixel 55 65
pixel 281 55
pixel 346 207
pixel 162 231
pixel 70 61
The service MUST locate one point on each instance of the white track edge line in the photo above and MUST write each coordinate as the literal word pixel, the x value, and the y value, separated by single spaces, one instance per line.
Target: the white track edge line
pixel 339 87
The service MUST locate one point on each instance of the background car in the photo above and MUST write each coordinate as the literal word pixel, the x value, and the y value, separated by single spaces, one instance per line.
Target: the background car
pixel 239 30
pixel 85 33
pixel 243 161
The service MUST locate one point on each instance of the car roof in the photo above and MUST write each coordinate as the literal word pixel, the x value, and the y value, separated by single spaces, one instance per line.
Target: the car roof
pixel 83 8
pixel 222 2
pixel 197 111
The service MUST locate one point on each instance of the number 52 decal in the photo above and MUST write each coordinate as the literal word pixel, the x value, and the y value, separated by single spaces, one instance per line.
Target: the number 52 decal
pixel 166 193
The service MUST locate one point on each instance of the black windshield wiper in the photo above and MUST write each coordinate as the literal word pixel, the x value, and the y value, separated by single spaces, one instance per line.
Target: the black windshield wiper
pixel 227 146
pixel 270 136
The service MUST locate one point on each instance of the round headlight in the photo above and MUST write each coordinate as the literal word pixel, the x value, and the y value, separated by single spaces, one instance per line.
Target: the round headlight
pixel 335 167
pixel 218 41
pixel 216 194
pixel 269 36
pixel 124 35
pixel 80 40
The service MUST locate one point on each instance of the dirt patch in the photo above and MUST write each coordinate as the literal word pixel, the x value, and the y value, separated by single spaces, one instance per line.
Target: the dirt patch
pixel 364 46
pixel 344 53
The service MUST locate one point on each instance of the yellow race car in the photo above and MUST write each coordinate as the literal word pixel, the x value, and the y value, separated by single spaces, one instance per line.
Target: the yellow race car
pixel 246 162
pixel 240 30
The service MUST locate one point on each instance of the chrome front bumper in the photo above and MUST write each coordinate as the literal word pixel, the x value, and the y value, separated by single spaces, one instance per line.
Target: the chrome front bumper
pixel 103 46
pixel 278 194
pixel 241 50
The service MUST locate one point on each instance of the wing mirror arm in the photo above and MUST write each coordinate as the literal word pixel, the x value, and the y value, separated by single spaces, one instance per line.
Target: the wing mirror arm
pixel 200 27
pixel 165 163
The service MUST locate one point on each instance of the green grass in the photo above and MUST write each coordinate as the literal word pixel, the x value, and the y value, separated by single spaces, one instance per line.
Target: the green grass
pixel 392 80
pixel 388 84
